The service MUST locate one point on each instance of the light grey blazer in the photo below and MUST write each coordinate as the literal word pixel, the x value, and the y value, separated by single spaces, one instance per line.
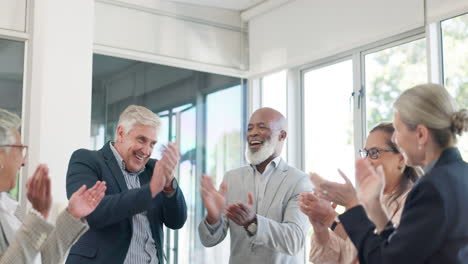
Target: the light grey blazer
pixel 282 227
pixel 36 235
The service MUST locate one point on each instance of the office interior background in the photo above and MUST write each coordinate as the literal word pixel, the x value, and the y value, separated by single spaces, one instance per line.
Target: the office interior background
pixel 333 68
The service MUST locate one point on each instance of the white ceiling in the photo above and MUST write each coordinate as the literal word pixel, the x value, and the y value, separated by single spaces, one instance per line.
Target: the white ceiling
pixel 239 5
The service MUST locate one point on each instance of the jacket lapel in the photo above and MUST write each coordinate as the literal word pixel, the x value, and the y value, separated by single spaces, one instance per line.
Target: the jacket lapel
pixel 114 166
pixel 145 176
pixel 276 180
pixel 8 220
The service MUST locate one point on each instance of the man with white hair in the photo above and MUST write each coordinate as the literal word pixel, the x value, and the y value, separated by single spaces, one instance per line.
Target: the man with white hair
pixel 142 194
pixel 269 226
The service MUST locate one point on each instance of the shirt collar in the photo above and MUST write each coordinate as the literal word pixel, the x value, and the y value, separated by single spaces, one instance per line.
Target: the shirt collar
pixel 121 161
pixel 429 166
pixel 7 203
pixel 274 162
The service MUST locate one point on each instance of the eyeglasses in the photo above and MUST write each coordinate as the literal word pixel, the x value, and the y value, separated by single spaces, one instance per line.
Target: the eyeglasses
pixel 23 148
pixel 374 153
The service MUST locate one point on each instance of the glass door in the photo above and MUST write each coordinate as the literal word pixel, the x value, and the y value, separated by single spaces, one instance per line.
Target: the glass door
pixel 179 124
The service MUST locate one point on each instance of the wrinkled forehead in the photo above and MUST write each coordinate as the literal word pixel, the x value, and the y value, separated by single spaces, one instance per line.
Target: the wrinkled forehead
pixel 148 132
pixel 263 117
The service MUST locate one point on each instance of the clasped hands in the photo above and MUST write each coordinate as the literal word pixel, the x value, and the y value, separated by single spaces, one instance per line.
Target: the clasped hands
pixel 164 170
pixel 81 203
pixel 243 214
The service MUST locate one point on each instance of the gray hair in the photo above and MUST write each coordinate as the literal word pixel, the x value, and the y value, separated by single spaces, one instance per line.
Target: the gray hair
pixel 138 115
pixel 432 106
pixel 9 122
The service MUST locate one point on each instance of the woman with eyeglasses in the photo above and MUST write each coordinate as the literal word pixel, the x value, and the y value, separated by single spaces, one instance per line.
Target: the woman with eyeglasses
pixel 30 238
pixel 434 221
pixel 333 245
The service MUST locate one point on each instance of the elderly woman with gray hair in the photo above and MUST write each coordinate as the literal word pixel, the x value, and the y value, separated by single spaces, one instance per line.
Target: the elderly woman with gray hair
pixel 23 239
pixel 433 226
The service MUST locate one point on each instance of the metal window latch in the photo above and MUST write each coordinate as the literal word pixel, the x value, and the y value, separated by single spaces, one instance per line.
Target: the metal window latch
pixel 351 101
pixel 361 96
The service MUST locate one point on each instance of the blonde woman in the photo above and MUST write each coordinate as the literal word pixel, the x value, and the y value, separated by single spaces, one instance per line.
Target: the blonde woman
pixel 433 226
pixel 333 246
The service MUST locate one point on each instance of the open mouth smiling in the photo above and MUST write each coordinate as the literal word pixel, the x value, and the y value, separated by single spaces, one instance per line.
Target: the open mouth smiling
pixel 255 144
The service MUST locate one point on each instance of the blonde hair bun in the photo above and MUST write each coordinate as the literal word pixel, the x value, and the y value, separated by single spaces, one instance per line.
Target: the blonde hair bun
pixel 460 122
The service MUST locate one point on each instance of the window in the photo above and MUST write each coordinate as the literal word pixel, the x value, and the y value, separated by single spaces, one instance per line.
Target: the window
pixel 173 93
pixel 185 135
pixel 455 58
pixel 274 95
pixel 328 120
pixel 390 71
pixel 11 82
pixel 224 141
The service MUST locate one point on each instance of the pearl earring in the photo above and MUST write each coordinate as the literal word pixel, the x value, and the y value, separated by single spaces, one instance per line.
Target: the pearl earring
pixel 419 147
pixel 1 166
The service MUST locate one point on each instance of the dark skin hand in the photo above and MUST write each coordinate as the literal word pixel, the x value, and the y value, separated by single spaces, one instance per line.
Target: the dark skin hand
pixel 241 213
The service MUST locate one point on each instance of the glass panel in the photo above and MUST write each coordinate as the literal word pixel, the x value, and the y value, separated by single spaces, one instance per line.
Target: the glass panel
pixel 455 54
pixel 274 95
pixel 328 138
pixel 182 108
pixel 223 149
pixel 11 82
pixel 165 90
pixel 163 113
pixel 188 182
pixel 389 72
pixel 163 138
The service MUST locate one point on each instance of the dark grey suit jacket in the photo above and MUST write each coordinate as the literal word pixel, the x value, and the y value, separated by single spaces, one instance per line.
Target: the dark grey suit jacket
pixel 434 222
pixel 110 233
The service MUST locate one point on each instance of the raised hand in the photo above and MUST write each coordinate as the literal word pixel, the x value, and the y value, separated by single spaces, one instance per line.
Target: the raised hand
pixel 213 200
pixel 164 170
pixel 241 213
pixel 317 209
pixel 370 183
pixel 83 202
pixel 339 193
pixel 38 190
pixel 173 156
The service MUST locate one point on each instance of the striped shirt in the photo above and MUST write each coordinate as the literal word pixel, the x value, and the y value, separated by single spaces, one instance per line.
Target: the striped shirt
pixel 142 247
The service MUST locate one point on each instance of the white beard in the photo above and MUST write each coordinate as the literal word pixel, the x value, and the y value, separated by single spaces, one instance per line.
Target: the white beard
pixel 269 147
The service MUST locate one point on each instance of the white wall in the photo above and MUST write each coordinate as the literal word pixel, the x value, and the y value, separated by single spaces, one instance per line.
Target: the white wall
pixel 303 31
pixel 13 15
pixel 174 34
pixel 58 99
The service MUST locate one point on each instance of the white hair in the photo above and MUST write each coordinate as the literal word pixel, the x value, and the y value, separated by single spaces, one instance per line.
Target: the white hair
pixel 138 115
pixel 271 146
pixel 9 122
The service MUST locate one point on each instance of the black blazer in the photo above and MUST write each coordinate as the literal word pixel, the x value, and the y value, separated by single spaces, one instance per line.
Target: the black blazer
pixel 110 232
pixel 434 223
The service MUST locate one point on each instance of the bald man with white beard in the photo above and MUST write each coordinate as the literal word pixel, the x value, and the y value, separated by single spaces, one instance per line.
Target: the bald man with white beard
pixel 258 202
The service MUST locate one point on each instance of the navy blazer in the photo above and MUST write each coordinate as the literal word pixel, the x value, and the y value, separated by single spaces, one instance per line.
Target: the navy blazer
pixel 434 223
pixel 110 233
